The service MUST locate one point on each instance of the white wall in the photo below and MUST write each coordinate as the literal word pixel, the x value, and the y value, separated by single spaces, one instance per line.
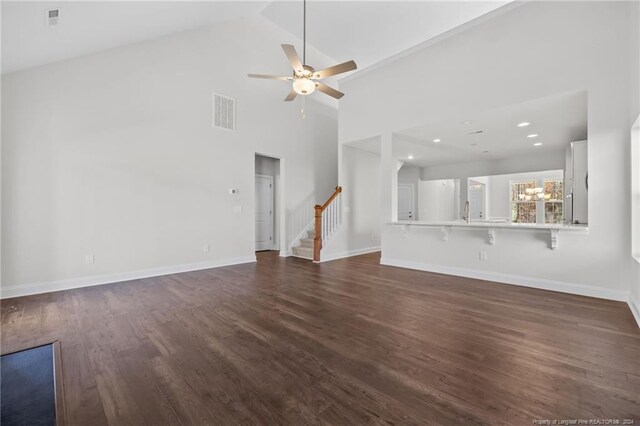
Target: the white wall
pixel 635 212
pixel 113 154
pixel 530 50
pixel 634 108
pixel 550 160
pixel 360 229
pixel 438 199
pixel 531 163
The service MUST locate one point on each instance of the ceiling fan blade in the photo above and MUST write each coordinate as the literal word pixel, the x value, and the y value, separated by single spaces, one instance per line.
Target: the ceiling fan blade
pixel 336 69
pixel 270 77
pixel 329 90
pixel 291 96
pixel 293 57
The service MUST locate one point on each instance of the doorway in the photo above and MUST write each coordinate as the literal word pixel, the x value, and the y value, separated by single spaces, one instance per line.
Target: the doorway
pixel 406 203
pixel 264 212
pixel 267 203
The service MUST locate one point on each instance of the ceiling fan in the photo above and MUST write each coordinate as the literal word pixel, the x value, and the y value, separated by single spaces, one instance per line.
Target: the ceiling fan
pixel 305 78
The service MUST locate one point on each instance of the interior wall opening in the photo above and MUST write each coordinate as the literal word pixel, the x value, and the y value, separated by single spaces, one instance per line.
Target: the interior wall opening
pixel 268 196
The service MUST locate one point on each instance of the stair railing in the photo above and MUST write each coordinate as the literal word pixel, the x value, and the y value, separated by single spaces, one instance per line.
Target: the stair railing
pixel 327 221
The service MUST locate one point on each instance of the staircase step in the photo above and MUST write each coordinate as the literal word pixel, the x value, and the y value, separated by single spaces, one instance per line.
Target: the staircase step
pixel 306 242
pixel 304 252
pixel 311 234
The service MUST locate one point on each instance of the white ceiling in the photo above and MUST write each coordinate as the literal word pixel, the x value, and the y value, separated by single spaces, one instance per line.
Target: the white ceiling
pixel 371 31
pixel 558 120
pixel 91 26
pixel 366 31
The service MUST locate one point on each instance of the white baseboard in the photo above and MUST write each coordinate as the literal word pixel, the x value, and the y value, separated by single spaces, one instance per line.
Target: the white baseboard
pixel 540 283
pixel 634 305
pixel 350 253
pixel 47 287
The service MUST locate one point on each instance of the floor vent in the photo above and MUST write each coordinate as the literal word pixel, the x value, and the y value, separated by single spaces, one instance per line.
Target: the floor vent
pixel 224 112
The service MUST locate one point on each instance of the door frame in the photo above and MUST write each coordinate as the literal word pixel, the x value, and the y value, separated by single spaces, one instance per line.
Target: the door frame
pixel 280 243
pixel 271 208
pixel 413 198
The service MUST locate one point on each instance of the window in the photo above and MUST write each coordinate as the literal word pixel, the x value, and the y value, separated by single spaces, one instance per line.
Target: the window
pixel 523 202
pixel 553 198
pixel 537 201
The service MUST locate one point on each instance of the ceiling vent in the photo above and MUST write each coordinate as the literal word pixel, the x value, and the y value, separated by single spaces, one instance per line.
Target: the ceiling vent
pixel 52 17
pixel 224 112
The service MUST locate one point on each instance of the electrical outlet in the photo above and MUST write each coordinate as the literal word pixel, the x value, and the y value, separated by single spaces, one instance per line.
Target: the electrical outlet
pixel 206 248
pixel 89 259
pixel 483 255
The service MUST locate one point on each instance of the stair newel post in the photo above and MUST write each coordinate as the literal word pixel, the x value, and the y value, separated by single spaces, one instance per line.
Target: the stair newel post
pixel 317 240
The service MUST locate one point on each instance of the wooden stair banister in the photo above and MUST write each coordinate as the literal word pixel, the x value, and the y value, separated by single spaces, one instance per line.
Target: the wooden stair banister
pixel 317 240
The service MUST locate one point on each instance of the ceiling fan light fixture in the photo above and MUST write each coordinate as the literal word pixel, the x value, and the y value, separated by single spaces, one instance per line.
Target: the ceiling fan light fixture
pixel 304 86
pixel 305 78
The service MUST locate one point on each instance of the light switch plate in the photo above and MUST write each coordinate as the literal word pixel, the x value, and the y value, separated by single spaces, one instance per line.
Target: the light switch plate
pixel 237 209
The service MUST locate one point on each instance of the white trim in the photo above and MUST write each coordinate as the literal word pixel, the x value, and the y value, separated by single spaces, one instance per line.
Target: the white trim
pixel 349 253
pixel 634 305
pixel 635 190
pixel 539 283
pixel 46 287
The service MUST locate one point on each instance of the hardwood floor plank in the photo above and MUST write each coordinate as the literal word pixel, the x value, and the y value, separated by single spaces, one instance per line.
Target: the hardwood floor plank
pixel 286 341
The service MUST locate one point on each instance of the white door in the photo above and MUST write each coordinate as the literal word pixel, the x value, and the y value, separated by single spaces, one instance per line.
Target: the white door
pixel 406 210
pixel 264 212
pixel 476 201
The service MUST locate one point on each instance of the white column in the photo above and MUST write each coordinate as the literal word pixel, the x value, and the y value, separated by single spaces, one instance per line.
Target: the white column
pixel 389 180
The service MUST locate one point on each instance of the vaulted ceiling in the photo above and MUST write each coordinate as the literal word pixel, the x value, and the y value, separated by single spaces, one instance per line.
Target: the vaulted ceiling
pixel 367 31
pixel 371 31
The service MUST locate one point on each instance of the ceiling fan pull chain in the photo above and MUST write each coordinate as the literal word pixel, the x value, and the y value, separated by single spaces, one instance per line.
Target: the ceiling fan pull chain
pixel 302 110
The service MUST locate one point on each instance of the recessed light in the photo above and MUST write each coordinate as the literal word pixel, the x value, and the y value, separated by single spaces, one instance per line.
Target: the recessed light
pixel 410 157
pixel 523 124
pixel 465 122
pixel 474 144
pixel 537 144
pixel 436 140
pixel 532 135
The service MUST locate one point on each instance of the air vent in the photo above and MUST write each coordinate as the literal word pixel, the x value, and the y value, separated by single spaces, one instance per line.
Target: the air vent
pixel 224 112
pixel 52 17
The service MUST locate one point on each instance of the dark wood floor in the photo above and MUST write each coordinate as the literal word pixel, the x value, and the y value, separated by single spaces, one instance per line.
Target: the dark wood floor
pixel 285 341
